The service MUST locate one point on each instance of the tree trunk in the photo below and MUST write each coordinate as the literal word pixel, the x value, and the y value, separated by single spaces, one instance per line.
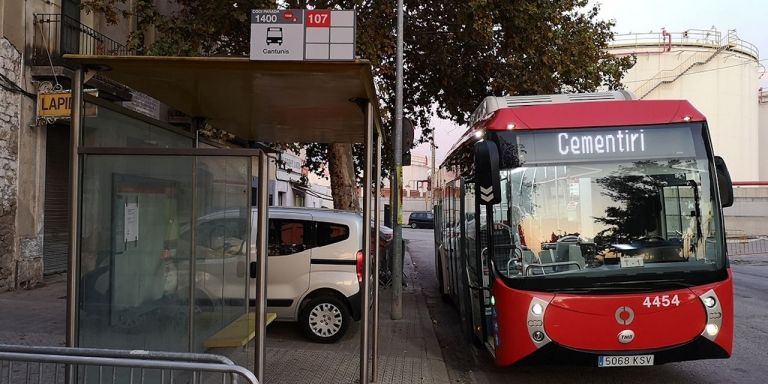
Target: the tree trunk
pixel 342 170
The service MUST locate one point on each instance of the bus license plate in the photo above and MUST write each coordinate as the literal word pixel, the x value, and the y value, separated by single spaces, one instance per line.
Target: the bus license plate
pixel 624 361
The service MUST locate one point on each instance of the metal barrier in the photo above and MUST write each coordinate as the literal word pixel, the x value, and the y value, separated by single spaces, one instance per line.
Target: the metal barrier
pixel 757 245
pixel 56 35
pixel 691 37
pixel 28 364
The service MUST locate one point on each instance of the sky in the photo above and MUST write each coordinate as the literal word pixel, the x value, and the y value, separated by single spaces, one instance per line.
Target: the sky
pixel 747 17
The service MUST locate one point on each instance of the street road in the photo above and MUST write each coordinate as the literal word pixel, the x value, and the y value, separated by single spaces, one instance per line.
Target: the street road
pixel 468 364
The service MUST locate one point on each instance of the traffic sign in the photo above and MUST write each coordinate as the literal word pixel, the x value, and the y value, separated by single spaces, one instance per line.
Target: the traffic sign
pixel 277 34
pixel 297 34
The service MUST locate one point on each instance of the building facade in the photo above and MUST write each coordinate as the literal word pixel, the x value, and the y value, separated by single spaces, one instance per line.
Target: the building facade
pixel 416 193
pixel 34 153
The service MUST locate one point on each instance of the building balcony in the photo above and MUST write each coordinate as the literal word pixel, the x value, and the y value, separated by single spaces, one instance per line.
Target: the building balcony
pixel 57 35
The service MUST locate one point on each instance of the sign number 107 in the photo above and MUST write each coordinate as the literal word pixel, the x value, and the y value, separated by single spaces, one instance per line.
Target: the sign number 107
pixel 318 18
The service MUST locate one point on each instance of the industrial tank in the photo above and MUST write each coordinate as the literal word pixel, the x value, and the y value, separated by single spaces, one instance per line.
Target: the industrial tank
pixel 717 72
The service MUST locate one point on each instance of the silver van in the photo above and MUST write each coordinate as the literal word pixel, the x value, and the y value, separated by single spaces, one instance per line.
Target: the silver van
pixel 314 267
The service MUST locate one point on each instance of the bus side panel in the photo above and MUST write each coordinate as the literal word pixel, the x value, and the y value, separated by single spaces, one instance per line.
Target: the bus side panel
pixel 724 292
pixel 513 341
pixel 442 270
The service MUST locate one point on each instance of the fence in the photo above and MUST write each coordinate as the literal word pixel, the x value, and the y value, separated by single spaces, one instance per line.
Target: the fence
pixel 27 364
pixel 692 37
pixel 748 246
pixel 56 35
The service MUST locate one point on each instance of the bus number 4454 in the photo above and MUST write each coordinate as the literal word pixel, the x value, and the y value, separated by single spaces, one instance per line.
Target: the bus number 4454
pixel 661 301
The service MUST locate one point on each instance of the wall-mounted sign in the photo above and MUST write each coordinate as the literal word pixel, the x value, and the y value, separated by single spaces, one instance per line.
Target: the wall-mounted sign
pixel 297 34
pixel 58 105
pixel 131 224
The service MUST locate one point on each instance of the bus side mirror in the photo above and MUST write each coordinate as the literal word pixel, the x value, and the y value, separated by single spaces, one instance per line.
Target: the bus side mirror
pixel 724 183
pixel 487 174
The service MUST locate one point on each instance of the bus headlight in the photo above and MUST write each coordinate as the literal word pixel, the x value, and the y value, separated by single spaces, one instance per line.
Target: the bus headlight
pixel 714 314
pixel 536 332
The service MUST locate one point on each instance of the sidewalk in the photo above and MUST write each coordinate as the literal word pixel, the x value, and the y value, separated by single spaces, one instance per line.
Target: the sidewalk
pixel 408 348
pixel 36 316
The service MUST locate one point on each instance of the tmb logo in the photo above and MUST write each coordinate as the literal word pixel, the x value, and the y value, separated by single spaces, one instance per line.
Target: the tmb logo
pixel 626 336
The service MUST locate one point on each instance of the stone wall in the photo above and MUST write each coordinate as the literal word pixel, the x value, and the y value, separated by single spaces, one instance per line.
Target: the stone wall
pixel 10 107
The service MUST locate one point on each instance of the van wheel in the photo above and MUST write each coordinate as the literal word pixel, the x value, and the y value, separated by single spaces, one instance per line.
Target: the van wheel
pixel 414 225
pixel 325 319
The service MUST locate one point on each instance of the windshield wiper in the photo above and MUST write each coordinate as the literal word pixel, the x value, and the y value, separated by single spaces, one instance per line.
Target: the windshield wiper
pixel 598 289
pixel 652 283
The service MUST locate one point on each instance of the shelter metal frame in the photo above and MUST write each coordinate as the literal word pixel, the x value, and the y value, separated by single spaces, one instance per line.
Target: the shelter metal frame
pixel 349 75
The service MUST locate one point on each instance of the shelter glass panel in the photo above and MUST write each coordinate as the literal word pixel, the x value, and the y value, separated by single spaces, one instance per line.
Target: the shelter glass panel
pixel 137 258
pixel 105 127
pixel 221 236
pixel 134 271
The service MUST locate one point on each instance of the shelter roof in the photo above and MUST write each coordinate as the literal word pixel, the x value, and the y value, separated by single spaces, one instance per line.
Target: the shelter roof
pixel 268 101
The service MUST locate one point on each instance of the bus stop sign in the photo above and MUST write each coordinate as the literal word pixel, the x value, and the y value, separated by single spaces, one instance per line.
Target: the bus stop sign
pixel 298 34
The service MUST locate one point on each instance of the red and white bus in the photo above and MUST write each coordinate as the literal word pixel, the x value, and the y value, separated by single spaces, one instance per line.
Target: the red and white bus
pixel 607 243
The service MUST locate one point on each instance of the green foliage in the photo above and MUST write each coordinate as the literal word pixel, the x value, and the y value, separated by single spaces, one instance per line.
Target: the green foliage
pixel 456 51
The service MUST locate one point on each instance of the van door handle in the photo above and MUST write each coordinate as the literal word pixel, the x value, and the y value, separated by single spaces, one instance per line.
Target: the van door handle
pixel 254 269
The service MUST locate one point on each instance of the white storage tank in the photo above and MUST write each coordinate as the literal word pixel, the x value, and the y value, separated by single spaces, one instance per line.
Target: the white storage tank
pixel 717 72
pixel 762 128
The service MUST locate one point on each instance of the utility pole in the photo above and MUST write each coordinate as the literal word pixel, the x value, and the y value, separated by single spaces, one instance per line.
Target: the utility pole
pixel 433 179
pixel 396 312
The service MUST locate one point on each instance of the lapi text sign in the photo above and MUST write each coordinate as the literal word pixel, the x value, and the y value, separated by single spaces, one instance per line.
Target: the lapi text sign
pixel 58 104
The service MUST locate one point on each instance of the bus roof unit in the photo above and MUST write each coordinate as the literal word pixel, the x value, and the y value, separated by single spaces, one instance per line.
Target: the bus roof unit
pixel 492 104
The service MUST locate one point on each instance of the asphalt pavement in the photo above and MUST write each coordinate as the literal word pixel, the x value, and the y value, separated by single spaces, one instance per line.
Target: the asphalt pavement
pixel 468 364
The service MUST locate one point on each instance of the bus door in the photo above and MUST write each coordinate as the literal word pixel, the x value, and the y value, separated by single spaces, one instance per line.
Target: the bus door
pixel 486 196
pixel 475 268
pixel 492 246
pixel 471 257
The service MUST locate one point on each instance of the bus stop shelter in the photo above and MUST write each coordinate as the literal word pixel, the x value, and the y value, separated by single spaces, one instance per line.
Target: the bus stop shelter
pixel 136 206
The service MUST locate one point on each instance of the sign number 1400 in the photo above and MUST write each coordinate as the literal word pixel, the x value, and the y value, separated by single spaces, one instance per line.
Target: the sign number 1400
pixel 661 301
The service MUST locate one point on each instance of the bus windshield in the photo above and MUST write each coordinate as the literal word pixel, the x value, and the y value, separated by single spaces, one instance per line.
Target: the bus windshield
pixel 607 218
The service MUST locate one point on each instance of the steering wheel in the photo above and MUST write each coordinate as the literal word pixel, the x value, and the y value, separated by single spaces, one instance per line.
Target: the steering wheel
pixel 568 239
pixel 651 238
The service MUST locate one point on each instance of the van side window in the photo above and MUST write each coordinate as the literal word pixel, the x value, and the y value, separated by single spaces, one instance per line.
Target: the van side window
pixel 288 236
pixel 329 233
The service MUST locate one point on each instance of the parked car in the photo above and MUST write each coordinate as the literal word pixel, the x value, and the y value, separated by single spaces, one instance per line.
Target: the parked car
pixel 314 269
pixel 421 219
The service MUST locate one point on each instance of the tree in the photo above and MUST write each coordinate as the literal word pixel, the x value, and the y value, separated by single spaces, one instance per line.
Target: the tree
pixel 456 53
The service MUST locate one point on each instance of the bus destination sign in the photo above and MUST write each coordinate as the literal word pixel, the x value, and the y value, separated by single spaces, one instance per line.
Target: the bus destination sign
pixel 298 34
pixel 603 144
